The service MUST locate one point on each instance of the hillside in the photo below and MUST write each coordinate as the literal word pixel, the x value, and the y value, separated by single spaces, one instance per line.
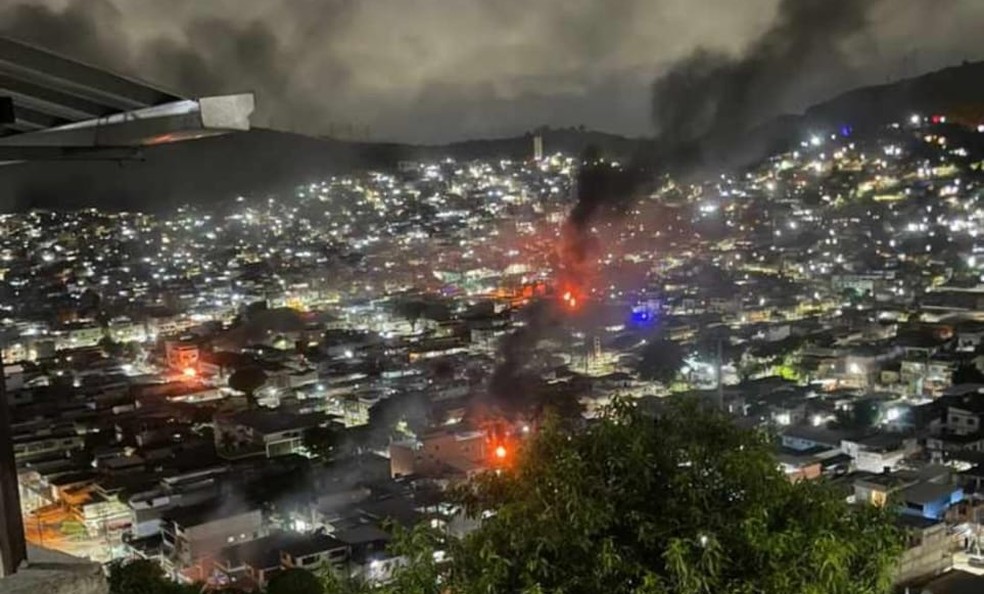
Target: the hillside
pixel 957 92
pixel 203 170
pixel 265 161
pixel 256 162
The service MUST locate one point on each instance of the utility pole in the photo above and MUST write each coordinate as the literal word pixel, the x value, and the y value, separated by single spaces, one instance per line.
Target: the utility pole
pixel 13 548
pixel 720 375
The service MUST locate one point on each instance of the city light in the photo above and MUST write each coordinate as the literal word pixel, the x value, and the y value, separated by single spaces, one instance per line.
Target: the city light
pixel 433 314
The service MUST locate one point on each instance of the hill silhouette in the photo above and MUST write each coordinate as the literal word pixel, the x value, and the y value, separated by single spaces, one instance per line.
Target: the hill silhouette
pixel 957 92
pixel 266 161
pixel 253 163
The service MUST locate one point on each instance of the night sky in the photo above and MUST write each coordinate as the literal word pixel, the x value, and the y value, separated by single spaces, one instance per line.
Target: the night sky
pixel 439 70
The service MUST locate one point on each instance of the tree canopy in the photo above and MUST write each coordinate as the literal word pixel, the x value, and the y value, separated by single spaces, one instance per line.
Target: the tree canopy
pixel 968 373
pixel 683 503
pixel 861 415
pixel 142 576
pixel 321 441
pixel 661 361
pixel 248 380
pixel 295 581
pixel 687 503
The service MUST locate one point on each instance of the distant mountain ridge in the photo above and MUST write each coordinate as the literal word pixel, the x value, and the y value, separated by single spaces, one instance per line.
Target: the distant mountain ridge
pixel 957 92
pixel 257 162
pixel 265 161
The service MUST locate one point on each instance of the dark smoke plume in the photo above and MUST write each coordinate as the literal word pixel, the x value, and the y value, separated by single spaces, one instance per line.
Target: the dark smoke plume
pixel 704 104
pixel 516 373
pixel 701 107
pixel 603 192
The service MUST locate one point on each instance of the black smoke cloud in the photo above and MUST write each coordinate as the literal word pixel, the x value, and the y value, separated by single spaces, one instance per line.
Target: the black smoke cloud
pixel 213 55
pixel 435 70
pixel 704 103
pixel 602 191
pixel 79 30
pixel 517 371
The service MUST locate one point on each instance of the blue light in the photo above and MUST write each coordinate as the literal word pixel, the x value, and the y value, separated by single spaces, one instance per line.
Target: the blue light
pixel 642 316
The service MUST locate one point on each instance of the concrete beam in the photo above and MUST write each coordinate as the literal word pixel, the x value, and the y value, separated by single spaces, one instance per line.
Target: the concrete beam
pixel 50 70
pixel 173 122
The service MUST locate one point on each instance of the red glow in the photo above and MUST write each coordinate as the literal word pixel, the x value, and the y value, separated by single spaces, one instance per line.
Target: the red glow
pixel 571 298
pixel 500 452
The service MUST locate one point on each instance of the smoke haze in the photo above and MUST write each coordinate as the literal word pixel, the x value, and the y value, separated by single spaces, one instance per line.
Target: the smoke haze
pixel 710 98
pixel 437 70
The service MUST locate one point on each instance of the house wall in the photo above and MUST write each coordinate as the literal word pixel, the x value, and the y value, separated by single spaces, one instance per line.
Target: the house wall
pixel 435 452
pixel 929 554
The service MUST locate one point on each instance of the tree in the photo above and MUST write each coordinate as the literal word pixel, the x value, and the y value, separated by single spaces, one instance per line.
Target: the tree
pixel 412 310
pixel 248 380
pixel 136 577
pixel 131 351
pixel 143 576
pixel 968 373
pixel 862 414
pixel 410 408
pixel 415 308
pixel 111 347
pixel 228 443
pixel 295 581
pixel 419 573
pixel 321 441
pixel 661 361
pixel 685 503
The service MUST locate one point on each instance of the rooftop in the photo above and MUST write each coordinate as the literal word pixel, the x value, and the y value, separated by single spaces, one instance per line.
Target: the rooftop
pixel 211 511
pixel 926 492
pixel 363 534
pixel 310 544
pixel 272 421
pixel 261 553
pixel 911 522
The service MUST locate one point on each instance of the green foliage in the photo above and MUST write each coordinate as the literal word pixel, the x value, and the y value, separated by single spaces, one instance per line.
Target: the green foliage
pixel 687 503
pixel 420 573
pixel 73 529
pixel 321 441
pixel 333 584
pixel 787 371
pixel 661 361
pixel 110 347
pixel 387 414
pixel 862 414
pixel 968 373
pixel 143 577
pixel 413 309
pixel 295 581
pixel 248 380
